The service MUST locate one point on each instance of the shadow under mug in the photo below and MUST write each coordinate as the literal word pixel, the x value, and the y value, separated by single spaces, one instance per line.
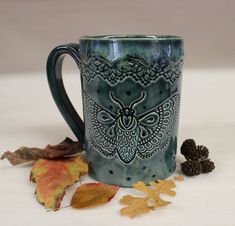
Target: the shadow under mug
pixel 131 93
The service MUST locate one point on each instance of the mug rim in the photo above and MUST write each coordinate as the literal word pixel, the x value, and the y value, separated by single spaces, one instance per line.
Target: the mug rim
pixel 134 37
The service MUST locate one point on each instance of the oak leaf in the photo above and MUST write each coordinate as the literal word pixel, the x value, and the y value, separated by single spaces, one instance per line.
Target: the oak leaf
pixel 53 176
pixel 152 194
pixel 152 199
pixel 164 187
pixel 161 186
pixel 28 154
pixel 179 178
pixel 135 206
pixel 93 194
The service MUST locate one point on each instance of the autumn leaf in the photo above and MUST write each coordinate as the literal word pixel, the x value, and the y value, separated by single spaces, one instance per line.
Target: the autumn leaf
pixel 135 206
pixel 93 194
pixel 179 178
pixel 28 154
pixel 164 187
pixel 152 199
pixel 53 176
pixel 152 194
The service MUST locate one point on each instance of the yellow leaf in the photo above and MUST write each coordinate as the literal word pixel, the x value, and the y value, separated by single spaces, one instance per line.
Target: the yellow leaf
pixel 140 186
pixel 93 194
pixel 82 165
pixel 153 192
pixel 160 202
pixel 179 178
pixel 135 206
pixel 164 186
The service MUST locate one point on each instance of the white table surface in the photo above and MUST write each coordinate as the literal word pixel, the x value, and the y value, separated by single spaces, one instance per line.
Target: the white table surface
pixel 28 116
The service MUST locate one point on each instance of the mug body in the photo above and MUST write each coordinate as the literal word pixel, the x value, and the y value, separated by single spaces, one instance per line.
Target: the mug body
pixel 131 94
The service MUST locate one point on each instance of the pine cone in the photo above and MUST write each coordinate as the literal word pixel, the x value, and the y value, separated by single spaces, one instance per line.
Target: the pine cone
pixel 187 147
pixel 207 166
pixel 191 168
pixel 200 153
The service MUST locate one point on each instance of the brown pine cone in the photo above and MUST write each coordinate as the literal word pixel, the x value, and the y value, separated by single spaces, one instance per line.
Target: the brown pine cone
pixel 200 153
pixel 207 166
pixel 187 147
pixel 191 168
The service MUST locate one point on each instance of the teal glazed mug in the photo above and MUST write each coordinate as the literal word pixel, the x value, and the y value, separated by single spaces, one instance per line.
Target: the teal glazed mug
pixel 131 94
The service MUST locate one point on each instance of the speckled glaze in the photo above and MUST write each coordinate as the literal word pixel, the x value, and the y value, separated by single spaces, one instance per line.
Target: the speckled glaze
pixel 131 93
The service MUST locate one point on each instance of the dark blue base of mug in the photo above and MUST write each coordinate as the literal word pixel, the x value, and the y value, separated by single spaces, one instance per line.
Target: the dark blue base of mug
pixel 160 166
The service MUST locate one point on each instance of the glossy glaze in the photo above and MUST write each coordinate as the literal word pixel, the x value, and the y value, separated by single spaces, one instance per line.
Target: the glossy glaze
pixel 131 92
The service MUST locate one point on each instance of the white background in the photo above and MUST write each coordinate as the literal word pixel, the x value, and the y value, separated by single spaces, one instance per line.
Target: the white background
pixel 29 117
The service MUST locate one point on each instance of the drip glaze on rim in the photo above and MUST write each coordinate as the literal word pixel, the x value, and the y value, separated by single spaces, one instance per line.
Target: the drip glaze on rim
pixel 132 37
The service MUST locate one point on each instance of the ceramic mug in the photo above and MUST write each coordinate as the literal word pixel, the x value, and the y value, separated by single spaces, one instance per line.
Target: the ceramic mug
pixel 131 93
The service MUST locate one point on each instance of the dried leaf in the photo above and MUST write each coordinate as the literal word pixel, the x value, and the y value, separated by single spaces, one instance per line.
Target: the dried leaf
pixel 13 158
pixel 53 176
pixel 179 178
pixel 164 186
pixel 93 194
pixel 152 194
pixel 135 206
pixel 28 154
pixel 139 205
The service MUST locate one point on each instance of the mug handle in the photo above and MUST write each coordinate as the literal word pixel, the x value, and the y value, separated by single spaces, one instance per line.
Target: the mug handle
pixel 55 80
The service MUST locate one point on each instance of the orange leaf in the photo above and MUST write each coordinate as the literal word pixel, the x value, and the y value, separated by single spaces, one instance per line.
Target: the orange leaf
pixel 53 176
pixel 93 194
